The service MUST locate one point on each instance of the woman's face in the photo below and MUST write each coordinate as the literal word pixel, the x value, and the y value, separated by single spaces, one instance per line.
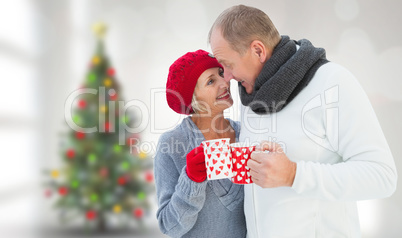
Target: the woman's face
pixel 212 92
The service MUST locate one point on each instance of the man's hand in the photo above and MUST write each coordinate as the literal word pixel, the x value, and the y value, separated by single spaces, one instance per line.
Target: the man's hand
pixel 270 167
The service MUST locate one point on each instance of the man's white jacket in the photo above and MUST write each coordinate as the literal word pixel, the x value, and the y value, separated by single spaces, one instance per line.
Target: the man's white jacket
pixel 331 131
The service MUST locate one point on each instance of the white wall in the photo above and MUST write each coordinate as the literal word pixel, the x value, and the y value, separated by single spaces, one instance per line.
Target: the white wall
pixel 145 37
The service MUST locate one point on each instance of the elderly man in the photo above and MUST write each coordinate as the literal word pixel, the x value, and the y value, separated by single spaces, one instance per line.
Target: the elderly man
pixel 326 149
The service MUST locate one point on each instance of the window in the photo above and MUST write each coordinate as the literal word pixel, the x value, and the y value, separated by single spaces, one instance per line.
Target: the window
pixel 18 94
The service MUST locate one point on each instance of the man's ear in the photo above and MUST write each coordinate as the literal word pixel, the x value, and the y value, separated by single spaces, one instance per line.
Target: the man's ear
pixel 259 50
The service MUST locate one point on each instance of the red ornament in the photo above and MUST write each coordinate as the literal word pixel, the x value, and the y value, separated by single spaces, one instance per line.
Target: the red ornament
pixel 138 212
pixel 122 180
pixel 91 215
pixel 63 191
pixel 103 172
pixel 70 153
pixel 110 71
pixel 149 177
pixel 107 126
pixel 113 97
pixel 133 140
pixel 80 135
pixel 82 103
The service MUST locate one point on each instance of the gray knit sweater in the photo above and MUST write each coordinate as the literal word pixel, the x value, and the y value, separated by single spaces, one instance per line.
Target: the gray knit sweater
pixel 188 209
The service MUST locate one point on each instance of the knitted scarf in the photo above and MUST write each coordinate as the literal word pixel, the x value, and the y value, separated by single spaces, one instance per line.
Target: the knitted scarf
pixel 283 76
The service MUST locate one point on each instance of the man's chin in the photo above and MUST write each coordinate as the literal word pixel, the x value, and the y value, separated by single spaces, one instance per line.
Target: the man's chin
pixel 249 90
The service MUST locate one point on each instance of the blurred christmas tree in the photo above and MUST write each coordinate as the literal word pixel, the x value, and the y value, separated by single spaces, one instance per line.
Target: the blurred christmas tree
pixel 102 177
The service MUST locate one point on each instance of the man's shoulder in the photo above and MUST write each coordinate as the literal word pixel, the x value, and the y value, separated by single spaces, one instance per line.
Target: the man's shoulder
pixel 333 69
pixel 331 73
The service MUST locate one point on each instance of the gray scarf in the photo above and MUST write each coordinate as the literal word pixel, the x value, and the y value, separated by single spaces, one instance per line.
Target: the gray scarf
pixel 283 76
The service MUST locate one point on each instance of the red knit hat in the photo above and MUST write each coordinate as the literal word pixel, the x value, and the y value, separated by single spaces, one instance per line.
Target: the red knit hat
pixel 183 76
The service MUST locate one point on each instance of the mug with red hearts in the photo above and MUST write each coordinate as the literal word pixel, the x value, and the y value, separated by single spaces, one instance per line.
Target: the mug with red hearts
pixel 240 155
pixel 218 158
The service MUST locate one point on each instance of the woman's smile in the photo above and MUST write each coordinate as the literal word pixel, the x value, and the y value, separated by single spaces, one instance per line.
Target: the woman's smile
pixel 224 96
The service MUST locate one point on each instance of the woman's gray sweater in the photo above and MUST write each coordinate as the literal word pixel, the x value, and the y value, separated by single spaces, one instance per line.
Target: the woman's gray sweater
pixel 213 208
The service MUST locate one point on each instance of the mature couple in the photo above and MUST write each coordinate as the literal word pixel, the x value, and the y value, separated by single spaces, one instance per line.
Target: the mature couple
pixel 333 150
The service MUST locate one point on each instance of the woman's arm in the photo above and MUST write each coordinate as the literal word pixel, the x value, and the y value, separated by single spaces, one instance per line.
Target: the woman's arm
pixel 179 198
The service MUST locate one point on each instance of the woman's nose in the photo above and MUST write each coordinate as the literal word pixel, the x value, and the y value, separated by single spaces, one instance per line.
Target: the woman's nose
pixel 223 83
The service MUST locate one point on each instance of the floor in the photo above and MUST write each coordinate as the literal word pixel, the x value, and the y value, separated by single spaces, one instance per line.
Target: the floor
pixel 26 213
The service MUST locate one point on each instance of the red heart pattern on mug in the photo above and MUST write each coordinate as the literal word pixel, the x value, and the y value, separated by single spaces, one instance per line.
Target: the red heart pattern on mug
pixel 226 161
pixel 241 172
pixel 213 146
pixel 218 158
pixel 219 166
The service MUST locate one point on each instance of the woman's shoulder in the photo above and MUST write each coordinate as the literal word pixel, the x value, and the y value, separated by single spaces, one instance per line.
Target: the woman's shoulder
pixel 235 124
pixel 172 135
pixel 177 140
pixel 179 132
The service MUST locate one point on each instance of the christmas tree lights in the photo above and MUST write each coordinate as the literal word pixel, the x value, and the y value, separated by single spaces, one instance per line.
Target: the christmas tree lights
pixel 100 177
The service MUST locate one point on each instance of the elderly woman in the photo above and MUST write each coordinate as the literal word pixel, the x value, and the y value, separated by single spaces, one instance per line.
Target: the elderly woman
pixel 190 205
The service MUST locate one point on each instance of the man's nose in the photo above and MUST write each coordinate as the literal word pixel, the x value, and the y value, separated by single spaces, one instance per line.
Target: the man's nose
pixel 227 75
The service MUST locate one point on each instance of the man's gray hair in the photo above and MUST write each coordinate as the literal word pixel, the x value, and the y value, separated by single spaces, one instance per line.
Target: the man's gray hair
pixel 240 25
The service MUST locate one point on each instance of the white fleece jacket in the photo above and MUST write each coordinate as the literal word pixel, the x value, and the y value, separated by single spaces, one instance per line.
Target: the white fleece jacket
pixel 331 131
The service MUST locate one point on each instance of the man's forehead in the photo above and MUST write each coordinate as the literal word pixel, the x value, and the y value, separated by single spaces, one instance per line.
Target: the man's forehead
pixel 219 46
pixel 222 61
pixel 221 53
pixel 215 34
pixel 219 58
pixel 217 40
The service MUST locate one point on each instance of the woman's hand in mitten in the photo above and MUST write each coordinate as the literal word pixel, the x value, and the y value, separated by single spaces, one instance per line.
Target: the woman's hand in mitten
pixel 196 169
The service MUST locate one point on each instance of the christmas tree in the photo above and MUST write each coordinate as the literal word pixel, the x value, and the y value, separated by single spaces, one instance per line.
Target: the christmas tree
pixel 103 178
